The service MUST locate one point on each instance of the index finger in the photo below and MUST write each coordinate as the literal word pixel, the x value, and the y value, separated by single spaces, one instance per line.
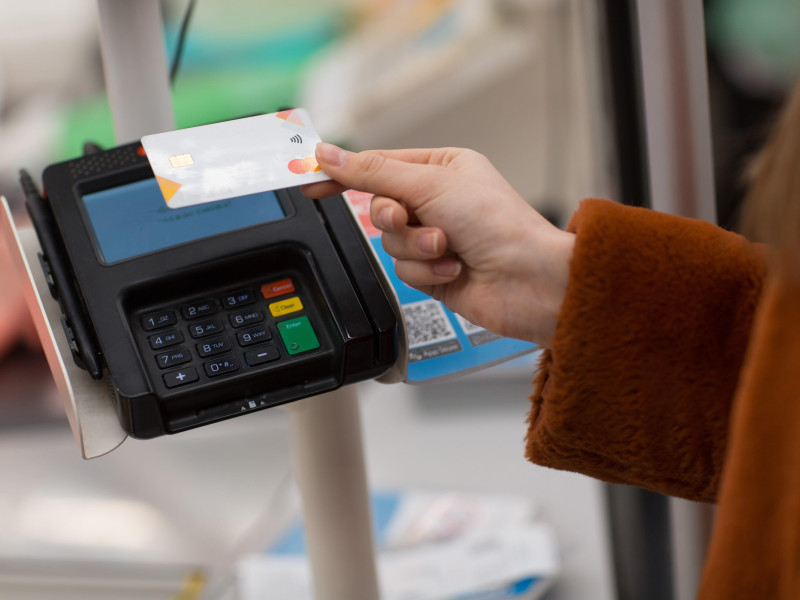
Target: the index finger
pixel 417 156
pixel 379 173
pixel 420 156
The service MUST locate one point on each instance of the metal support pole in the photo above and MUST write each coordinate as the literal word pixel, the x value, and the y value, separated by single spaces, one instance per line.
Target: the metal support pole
pixel 329 468
pixel 639 524
pixel 677 113
pixel 135 68
pixel 660 98
pixel 679 147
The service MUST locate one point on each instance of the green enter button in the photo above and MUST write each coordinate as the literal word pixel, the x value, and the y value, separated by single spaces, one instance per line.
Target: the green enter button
pixel 298 335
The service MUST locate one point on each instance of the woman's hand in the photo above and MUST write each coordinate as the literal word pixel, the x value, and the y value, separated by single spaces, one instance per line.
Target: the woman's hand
pixel 460 233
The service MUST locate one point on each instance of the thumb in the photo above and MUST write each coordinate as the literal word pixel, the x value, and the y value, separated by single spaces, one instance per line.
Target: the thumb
pixel 374 172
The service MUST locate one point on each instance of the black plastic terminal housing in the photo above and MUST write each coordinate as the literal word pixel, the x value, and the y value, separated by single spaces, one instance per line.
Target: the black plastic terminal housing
pixel 219 326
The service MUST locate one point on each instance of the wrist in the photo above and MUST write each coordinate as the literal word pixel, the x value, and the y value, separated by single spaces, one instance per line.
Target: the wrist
pixel 545 271
pixel 563 247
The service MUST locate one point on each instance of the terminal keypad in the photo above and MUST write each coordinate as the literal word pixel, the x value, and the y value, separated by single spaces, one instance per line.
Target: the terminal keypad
pixel 238 330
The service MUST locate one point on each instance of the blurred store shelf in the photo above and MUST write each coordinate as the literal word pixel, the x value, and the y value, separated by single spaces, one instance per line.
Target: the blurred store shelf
pixel 205 498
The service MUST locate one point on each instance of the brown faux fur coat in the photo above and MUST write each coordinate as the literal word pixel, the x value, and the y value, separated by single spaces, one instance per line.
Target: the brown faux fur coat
pixel 676 367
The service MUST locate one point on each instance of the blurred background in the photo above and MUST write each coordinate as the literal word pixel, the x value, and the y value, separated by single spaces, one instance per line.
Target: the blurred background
pixel 523 81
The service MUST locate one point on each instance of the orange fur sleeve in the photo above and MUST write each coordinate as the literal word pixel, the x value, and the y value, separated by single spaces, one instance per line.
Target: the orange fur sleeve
pixel 638 385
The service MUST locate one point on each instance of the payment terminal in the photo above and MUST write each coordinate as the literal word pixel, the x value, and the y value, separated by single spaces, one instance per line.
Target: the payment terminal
pixel 208 312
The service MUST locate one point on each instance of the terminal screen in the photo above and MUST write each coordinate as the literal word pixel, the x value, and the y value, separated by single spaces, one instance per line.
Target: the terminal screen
pixel 132 219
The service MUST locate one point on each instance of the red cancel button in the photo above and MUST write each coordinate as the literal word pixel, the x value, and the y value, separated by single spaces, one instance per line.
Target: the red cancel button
pixel 277 288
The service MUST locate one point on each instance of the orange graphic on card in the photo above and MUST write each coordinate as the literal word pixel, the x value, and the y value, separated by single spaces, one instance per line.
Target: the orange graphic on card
pixel 300 166
pixel 291 116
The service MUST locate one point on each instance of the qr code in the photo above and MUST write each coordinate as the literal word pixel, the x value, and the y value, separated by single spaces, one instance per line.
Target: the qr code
pixel 427 323
pixel 468 326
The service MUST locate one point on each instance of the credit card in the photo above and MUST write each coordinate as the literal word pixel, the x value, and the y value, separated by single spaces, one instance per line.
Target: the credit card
pixel 234 158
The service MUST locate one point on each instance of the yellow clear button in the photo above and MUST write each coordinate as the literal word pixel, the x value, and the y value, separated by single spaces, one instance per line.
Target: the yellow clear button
pixel 285 307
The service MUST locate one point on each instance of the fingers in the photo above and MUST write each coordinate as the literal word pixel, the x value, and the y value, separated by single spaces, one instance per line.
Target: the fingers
pixel 381 173
pixel 423 273
pixel 401 241
pixel 419 251
pixel 388 215
pixel 420 156
pixel 415 243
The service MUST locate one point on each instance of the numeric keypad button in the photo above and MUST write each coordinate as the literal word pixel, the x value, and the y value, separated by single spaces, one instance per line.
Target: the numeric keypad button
pixel 213 347
pixel 177 356
pixel 239 298
pixel 198 308
pixel 157 320
pixel 253 336
pixel 246 317
pixel 165 339
pixel 206 328
pixel 221 366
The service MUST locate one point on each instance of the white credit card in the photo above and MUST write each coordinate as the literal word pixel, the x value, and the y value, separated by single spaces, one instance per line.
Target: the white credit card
pixel 234 158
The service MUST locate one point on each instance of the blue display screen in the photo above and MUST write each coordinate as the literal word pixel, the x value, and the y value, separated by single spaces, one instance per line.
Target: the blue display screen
pixel 133 219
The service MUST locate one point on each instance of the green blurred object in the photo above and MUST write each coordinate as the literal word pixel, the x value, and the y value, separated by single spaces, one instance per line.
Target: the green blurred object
pixel 198 100
pixel 240 58
pixel 761 35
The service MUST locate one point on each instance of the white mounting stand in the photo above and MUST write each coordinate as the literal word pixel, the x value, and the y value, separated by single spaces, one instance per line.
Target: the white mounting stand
pixel 326 429
pixel 329 468
pixel 89 404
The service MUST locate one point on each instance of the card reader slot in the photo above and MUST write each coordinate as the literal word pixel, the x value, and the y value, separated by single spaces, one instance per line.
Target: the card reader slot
pixel 363 271
pixel 270 382
pixel 187 420
pixel 85 349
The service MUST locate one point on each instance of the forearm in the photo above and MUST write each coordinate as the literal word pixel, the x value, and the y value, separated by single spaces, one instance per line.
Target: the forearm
pixel 639 383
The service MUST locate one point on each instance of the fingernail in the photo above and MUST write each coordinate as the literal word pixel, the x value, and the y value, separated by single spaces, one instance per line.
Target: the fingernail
pixel 385 221
pixel 429 242
pixel 447 268
pixel 330 154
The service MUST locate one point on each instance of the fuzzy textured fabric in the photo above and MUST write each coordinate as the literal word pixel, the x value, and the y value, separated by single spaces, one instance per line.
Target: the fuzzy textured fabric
pixel 755 549
pixel 669 371
pixel 640 380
